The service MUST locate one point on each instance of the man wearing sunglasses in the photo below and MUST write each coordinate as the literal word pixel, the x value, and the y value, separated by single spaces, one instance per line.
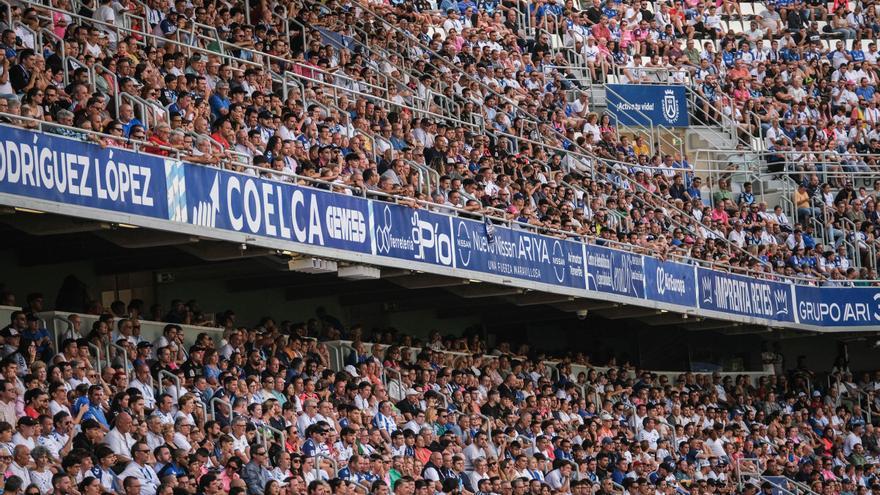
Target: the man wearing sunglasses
pixel 255 472
pixel 141 470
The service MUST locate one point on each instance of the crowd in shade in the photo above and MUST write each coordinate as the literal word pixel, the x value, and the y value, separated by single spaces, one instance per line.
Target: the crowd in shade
pixel 266 409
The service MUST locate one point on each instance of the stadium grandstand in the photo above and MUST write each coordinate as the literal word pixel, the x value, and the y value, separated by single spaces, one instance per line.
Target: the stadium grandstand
pixel 425 247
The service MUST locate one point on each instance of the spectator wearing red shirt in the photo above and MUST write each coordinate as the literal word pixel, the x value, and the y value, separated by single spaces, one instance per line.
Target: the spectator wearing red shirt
pixel 223 134
pixel 159 137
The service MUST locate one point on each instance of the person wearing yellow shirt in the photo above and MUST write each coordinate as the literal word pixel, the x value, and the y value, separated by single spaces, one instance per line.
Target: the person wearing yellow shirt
pixel 640 147
pixel 802 203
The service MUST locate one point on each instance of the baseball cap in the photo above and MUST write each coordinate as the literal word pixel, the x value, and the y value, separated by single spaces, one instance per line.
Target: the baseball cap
pixel 27 421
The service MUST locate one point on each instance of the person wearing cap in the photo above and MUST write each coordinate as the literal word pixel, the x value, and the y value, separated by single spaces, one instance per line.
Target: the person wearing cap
pixel 410 405
pixel 38 334
pixel 315 444
pixel 194 366
pixel 26 432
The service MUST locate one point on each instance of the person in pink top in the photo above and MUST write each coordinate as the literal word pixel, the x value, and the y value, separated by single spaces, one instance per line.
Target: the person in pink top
pixel 719 214
pixel 228 475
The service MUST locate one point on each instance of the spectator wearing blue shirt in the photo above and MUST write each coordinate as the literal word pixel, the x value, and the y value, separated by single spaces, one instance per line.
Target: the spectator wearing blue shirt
pixel 36 333
pixel 746 197
pixel 93 400
pixel 219 101
pixel 807 237
pixel 857 54
pixel 445 5
pixel 463 5
pixel 865 90
pixel 7 43
pixel 694 190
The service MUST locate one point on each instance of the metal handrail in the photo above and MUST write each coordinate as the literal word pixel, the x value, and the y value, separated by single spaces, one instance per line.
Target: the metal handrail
pixel 58 336
pixel 212 407
pixel 321 457
pixel 275 433
pixel 488 422
pixel 386 101
pixel 97 351
pixel 150 111
pixel 649 131
pixel 116 141
pixel 63 48
pixel 203 407
pixel 145 33
pixel 487 213
pixel 38 35
pixel 741 474
pixel 94 75
pixel 172 376
pixel 386 380
pixel 68 59
pixel 125 361
pixel 709 121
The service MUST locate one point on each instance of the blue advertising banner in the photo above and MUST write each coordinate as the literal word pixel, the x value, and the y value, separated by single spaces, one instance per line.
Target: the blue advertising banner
pixel 53 168
pixel 411 234
pixel 71 173
pixel 670 282
pixel 615 272
pixel 229 201
pixel 831 306
pixel 519 254
pixel 648 104
pixel 745 296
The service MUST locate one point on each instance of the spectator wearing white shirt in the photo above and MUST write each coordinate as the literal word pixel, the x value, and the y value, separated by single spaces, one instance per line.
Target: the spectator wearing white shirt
pixel 649 433
pixel 140 470
pixel 853 438
pixel 119 439
pixel 476 450
pixel 737 235
pixel 308 418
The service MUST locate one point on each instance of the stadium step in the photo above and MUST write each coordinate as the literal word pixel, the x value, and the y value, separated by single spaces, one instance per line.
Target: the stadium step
pixel 708 137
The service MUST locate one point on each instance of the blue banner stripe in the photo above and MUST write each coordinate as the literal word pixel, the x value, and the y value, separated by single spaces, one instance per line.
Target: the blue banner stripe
pixel 71 174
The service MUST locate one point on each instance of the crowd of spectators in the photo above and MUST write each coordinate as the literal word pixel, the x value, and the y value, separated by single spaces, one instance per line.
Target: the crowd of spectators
pixel 254 410
pixel 365 97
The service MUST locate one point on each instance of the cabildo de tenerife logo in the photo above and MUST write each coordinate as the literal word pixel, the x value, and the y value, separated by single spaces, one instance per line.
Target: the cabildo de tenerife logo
pixel 422 240
pixel 670 106
pixel 744 296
